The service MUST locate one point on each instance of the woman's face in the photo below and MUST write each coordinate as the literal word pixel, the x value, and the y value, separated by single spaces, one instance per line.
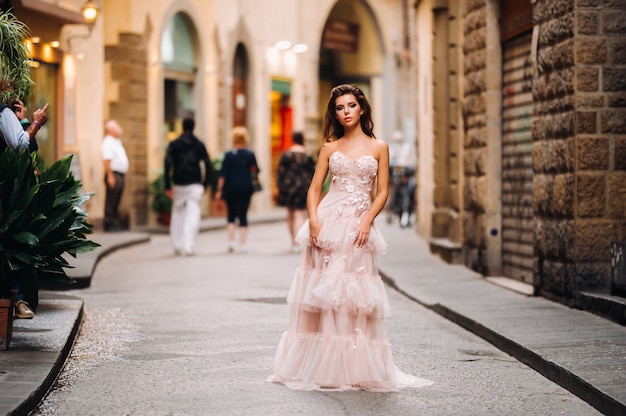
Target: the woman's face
pixel 348 110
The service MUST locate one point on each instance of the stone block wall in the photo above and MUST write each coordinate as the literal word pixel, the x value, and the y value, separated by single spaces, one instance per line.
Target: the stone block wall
pixel 475 138
pixel 128 63
pixel 446 231
pixel 554 139
pixel 579 144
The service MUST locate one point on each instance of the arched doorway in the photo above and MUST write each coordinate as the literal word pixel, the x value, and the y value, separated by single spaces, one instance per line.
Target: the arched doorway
pixel 179 57
pixel 517 141
pixel 351 51
pixel 240 87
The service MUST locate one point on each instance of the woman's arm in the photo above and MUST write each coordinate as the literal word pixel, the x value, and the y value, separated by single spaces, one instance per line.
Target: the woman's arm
pixel 221 179
pixel 14 134
pixel 382 192
pixel 314 194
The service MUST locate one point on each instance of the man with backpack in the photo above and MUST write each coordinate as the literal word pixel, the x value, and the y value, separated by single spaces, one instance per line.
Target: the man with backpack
pixel 185 185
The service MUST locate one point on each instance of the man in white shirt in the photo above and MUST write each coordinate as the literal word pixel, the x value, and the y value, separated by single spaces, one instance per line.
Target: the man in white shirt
pixel 115 168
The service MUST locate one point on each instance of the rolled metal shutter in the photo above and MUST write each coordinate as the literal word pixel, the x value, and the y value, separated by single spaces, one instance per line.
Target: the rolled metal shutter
pixel 517 175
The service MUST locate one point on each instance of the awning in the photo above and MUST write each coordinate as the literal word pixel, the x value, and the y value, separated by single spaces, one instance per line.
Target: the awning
pixel 46 9
pixel 44 19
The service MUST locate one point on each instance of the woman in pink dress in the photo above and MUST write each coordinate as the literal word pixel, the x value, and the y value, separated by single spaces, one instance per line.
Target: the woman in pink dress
pixel 335 339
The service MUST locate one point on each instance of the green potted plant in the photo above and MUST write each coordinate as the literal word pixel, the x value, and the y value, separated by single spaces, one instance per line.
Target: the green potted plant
pixel 217 206
pixel 161 203
pixel 40 220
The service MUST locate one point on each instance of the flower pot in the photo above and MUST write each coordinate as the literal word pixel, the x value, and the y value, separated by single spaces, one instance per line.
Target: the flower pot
pixel 165 217
pixel 6 321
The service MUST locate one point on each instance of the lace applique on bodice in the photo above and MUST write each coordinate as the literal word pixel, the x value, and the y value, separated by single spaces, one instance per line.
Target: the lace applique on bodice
pixel 351 183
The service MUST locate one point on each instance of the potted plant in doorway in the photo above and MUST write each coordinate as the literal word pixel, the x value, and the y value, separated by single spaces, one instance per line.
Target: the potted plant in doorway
pixel 161 203
pixel 40 220
pixel 217 207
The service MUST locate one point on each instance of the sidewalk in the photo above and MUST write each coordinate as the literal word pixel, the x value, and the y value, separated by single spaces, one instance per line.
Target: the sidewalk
pixel 582 352
pixel 40 346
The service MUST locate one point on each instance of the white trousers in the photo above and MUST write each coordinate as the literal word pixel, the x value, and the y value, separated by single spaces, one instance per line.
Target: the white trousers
pixel 185 223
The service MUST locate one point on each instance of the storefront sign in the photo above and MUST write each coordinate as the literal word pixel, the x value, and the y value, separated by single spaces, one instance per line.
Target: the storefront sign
pixel 341 36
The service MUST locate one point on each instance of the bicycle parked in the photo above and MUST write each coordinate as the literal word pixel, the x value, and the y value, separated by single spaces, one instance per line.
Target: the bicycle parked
pixel 401 202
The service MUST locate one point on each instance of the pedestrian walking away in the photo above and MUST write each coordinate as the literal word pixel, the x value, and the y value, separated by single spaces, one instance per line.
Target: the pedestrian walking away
pixel 335 339
pixel 182 168
pixel 293 176
pixel 115 168
pixel 236 188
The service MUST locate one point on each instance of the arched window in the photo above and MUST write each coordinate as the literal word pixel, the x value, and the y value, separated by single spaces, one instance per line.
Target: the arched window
pixel 240 86
pixel 179 58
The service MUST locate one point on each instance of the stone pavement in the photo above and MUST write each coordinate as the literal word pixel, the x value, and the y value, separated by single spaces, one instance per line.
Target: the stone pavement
pixel 582 352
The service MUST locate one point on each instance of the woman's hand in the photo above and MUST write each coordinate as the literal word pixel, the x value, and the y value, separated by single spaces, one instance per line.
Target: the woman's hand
pixel 362 232
pixel 314 230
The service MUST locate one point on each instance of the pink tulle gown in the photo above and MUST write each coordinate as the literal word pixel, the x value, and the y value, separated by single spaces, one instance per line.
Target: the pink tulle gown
pixel 335 339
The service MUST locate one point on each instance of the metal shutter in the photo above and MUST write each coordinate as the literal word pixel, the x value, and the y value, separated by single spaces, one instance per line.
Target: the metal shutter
pixel 517 175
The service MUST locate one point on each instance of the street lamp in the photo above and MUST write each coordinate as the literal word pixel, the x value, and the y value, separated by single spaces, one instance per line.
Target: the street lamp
pixel 90 14
pixel 300 48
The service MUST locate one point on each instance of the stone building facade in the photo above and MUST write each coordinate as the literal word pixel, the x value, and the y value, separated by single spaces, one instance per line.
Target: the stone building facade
pixel 543 142
pixel 150 64
pixel 127 60
pixel 579 149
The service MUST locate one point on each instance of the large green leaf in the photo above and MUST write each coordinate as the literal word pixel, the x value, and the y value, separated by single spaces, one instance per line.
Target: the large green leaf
pixel 26 238
pixel 83 247
pixel 28 258
pixel 39 221
pixel 59 170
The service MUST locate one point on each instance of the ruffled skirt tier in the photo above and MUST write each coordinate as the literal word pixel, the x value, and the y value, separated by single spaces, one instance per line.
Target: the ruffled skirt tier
pixel 316 361
pixel 335 339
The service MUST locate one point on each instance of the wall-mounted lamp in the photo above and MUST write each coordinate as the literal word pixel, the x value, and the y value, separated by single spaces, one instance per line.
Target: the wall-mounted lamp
pixel 285 45
pixel 282 45
pixel 300 48
pixel 282 57
pixel 90 14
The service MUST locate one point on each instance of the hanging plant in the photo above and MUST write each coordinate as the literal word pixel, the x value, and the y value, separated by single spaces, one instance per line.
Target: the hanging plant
pixel 15 79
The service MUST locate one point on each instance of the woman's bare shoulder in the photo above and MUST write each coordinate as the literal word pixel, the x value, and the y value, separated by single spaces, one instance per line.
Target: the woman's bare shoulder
pixel 379 147
pixel 329 148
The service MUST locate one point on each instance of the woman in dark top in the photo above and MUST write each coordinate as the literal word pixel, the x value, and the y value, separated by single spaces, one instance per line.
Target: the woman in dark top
pixel 295 171
pixel 235 186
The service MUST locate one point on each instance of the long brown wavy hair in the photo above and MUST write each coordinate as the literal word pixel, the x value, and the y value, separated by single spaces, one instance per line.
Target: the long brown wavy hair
pixel 332 129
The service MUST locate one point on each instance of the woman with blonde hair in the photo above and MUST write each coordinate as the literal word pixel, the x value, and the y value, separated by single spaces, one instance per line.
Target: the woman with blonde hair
pixel 235 186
